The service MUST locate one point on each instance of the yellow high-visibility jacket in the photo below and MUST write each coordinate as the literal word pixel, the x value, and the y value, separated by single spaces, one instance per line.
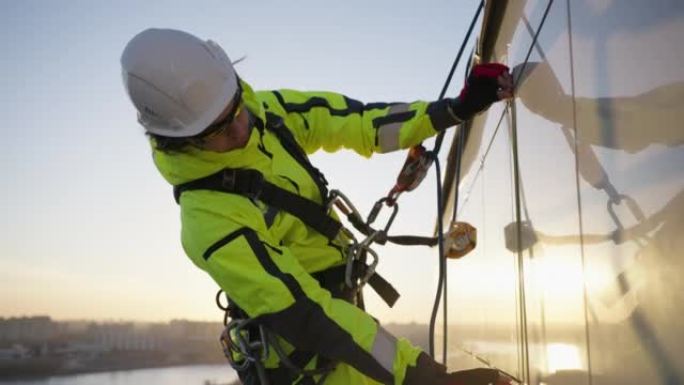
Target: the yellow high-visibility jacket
pixel 264 260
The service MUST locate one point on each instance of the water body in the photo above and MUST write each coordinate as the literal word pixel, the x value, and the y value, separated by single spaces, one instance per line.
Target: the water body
pixel 181 375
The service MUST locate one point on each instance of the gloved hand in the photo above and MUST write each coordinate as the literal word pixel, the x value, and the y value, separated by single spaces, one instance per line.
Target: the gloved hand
pixel 486 84
pixel 479 376
pixel 429 372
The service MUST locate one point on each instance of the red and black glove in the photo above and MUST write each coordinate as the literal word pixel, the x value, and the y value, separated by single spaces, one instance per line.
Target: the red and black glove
pixel 486 84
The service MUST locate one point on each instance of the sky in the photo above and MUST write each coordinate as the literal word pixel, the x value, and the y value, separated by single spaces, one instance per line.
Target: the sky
pixel 89 229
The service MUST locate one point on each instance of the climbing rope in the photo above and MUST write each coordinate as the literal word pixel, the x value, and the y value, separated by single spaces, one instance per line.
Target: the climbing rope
pixel 442 274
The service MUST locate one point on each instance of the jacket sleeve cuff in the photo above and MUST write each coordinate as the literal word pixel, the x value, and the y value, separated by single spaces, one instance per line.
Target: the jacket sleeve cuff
pixel 442 115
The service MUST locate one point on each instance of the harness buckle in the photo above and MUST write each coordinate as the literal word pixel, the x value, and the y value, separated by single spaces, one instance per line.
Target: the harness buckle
pixel 228 178
pixel 246 182
pixel 256 185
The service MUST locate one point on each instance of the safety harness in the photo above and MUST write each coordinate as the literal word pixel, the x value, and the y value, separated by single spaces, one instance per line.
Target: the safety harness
pixel 252 184
pixel 243 336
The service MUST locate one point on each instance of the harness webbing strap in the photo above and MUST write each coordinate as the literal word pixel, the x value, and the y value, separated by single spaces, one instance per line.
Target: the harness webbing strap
pixel 275 124
pixel 251 183
pixel 283 375
pixel 333 278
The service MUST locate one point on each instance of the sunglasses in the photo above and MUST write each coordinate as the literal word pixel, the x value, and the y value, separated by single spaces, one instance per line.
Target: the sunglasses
pixel 220 126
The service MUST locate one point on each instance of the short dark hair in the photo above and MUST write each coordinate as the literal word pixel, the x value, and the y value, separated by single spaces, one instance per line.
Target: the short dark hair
pixel 169 145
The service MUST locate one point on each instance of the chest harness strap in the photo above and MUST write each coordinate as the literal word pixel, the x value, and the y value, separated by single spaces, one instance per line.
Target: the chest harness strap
pixel 251 183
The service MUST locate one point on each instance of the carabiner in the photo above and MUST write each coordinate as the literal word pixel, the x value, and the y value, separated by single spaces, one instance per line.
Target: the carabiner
pixel 232 348
pixel 354 254
pixel 377 207
pixel 370 269
pixel 347 208
pixel 235 339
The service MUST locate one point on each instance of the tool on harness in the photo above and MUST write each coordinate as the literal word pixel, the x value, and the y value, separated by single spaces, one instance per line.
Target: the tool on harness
pixel 243 341
pixel 238 345
pixel 246 345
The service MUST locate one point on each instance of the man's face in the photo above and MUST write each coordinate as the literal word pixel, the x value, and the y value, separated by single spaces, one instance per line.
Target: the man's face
pixel 230 135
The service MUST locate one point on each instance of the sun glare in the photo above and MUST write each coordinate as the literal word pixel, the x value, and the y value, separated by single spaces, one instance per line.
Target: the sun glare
pixel 563 357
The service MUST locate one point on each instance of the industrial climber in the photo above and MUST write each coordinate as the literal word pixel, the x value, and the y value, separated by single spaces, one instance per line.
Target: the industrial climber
pixel 255 213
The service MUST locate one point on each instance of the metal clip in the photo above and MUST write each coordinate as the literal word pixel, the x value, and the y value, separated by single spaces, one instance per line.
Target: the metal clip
pixel 369 268
pixel 356 250
pixel 347 208
pixel 235 340
pixel 354 254
pixel 343 203
pixel 377 207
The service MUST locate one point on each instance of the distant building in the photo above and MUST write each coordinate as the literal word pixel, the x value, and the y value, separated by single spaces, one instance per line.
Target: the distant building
pixel 124 336
pixel 27 329
pixel 195 331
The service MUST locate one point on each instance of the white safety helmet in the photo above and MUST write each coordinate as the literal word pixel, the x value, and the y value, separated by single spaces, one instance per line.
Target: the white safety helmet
pixel 178 83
